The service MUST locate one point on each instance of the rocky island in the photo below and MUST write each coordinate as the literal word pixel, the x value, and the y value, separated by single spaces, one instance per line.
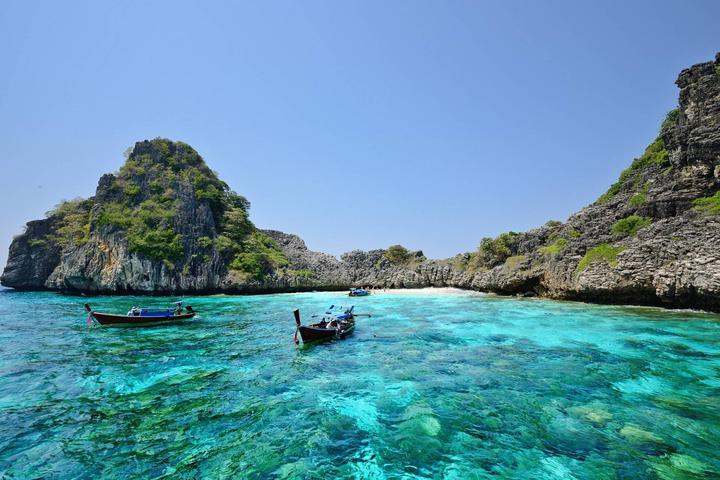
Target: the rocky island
pixel 165 223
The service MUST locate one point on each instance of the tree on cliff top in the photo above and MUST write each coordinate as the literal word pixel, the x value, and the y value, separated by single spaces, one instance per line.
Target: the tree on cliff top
pixel 397 254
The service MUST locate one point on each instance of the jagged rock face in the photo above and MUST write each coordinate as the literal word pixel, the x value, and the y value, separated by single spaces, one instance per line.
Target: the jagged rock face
pixel 105 263
pixel 675 260
pixel 31 260
pixel 308 269
pixel 154 183
pixel 696 139
pixel 670 258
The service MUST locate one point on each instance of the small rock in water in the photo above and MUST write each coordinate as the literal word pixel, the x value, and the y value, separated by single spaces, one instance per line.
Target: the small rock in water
pixel 687 463
pixel 682 466
pixel 420 419
pixel 592 414
pixel 635 434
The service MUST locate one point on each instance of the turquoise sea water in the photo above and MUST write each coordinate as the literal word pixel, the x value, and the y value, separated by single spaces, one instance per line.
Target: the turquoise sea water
pixel 452 386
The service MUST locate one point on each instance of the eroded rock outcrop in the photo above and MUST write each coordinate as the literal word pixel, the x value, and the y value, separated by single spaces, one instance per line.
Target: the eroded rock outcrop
pixel 166 224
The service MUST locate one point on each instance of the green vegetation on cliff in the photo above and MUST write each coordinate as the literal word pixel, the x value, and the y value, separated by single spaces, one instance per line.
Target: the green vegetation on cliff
pixel 629 226
pixel 73 223
pixel 512 263
pixel 493 251
pixel 671 119
pixel 145 194
pixel 143 200
pixel 161 175
pixel 246 249
pixel 708 205
pixel 148 226
pixel 304 273
pixel 397 254
pixel 256 254
pixel 655 154
pixel 638 199
pixel 554 248
pixel 602 253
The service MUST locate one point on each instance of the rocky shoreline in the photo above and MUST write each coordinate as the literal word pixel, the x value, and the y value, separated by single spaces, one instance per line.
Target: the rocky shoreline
pixel 652 239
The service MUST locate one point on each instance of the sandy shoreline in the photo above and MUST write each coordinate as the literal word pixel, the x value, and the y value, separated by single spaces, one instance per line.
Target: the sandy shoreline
pixel 425 291
pixel 394 291
pixel 406 291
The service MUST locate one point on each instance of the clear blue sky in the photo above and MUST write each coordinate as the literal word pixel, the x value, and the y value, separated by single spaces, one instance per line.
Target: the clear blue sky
pixel 352 124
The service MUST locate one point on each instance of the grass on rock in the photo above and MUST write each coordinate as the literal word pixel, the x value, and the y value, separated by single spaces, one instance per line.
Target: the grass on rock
pixel 629 226
pixel 708 205
pixel 554 248
pixel 602 253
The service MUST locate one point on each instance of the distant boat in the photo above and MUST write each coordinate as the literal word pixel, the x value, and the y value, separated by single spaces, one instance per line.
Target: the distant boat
pixel 330 326
pixel 358 292
pixel 142 317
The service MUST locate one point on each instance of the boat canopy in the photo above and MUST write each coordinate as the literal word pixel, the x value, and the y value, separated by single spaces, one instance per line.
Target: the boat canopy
pixel 154 312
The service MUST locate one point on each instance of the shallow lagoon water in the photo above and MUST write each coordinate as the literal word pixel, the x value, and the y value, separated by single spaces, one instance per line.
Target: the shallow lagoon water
pixel 447 385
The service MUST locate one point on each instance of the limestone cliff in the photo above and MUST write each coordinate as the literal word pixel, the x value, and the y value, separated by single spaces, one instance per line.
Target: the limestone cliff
pixel 163 224
pixel 166 224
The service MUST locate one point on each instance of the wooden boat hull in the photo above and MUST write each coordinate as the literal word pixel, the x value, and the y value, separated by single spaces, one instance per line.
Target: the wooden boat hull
pixel 110 320
pixel 310 333
pixel 315 332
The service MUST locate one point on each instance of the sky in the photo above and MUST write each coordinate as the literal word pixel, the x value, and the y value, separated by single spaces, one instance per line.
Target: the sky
pixel 354 124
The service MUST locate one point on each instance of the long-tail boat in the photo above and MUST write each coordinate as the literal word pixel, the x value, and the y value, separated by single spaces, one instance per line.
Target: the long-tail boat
pixel 358 292
pixel 142 317
pixel 328 327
